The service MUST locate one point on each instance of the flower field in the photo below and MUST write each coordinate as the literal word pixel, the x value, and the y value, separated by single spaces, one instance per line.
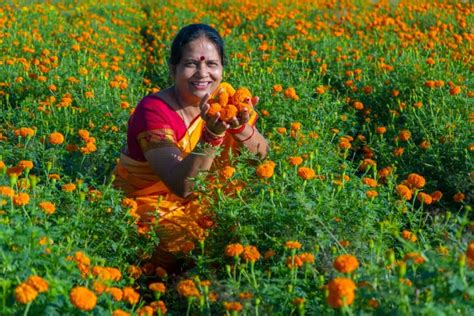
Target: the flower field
pixel 363 206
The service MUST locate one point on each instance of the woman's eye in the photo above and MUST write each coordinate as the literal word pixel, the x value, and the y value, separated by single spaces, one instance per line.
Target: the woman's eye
pixel 212 64
pixel 189 64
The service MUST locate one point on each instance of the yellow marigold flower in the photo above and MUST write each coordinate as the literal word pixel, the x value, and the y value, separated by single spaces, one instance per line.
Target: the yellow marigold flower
pixel 68 187
pixel 233 306
pixel 56 138
pixel 341 292
pixel 38 283
pixel 251 253
pixel 25 293
pixel 346 263
pixel 187 288
pixel 115 292
pixel 157 287
pixel 83 298
pixel 47 207
pixel 306 173
pixel 130 295
pixel 21 199
pixel 292 244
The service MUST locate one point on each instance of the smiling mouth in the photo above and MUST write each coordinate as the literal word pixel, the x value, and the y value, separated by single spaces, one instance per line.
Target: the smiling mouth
pixel 200 85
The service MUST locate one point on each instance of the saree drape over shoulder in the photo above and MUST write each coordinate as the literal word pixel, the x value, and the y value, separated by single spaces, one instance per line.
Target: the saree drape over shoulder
pixel 179 222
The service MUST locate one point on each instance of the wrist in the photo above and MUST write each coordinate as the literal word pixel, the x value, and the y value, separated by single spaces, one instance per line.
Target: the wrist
pixel 239 129
pixel 211 138
pixel 245 134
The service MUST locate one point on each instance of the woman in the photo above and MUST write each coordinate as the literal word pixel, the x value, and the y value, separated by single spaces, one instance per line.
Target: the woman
pixel 171 139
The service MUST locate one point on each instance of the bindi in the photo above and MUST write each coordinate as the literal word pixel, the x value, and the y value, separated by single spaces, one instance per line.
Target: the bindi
pixel 202 58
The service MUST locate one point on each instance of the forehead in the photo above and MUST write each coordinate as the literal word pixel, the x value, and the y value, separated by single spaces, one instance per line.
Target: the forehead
pixel 200 47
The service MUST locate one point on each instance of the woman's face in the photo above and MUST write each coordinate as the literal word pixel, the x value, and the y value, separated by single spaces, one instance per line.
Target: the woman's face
pixel 199 70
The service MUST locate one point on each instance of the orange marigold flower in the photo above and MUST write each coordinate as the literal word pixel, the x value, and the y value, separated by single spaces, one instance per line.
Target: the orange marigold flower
pixel 424 198
pixel 25 164
pixel 458 197
pixel 385 172
pixel 21 199
pixel 68 187
pixel 25 293
pixel 119 312
pixel 134 271
pixel 130 295
pixel 115 292
pixel 415 181
pixel 290 244
pixel 306 173
pixel 415 257
pixel 455 90
pixel 157 287
pixel 145 311
pixel 409 236
pixel 470 250
pixel 269 253
pixel 298 301
pixel 281 130
pixel 371 194
pixel 227 172
pixel 403 192
pixel 341 292
pixel 234 250
pixel 83 298
pixel 294 262
pixel 266 170
pixel 370 182
pixel 38 283
pixel 159 305
pixel 307 257
pixel 56 138
pixel 295 161
pixel 277 88
pixel 404 135
pixel 7 191
pixel 47 207
pixel 233 306
pixel 381 130
pixel 436 196
pixel 346 263
pixel 25 132
pixel 251 253
pixel 187 288
pixel 99 287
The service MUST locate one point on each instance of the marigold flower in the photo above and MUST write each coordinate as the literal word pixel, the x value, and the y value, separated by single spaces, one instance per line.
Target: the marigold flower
pixel 7 191
pixel 157 287
pixel 370 182
pixel 25 132
pixel 403 192
pixel 21 199
pixel 227 172
pixel 47 207
pixel 341 292
pixel 281 130
pixel 38 283
pixel 298 301
pixel 290 244
pixel 130 295
pixel 268 254
pixel 295 161
pixel 416 181
pixel 99 287
pixel 455 90
pixel 277 88
pixel 251 253
pixel 424 198
pixel 25 293
pixel 294 262
pixel 381 130
pixel 82 298
pixel 346 263
pixel 134 271
pixel 266 170
pixel 119 312
pixel 415 257
pixel 306 173
pixel 409 236
pixel 145 311
pixel 68 187
pixel 470 250
pixel 56 138
pixel 115 292
pixel 159 305
pixel 404 135
pixel 26 164
pixel 233 306
pixel 371 194
pixel 458 197
pixel 187 288
pixel 245 295
pixel 234 250
pixel 307 257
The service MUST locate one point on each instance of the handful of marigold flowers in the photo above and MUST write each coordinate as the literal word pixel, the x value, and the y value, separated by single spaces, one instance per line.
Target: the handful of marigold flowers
pixel 229 102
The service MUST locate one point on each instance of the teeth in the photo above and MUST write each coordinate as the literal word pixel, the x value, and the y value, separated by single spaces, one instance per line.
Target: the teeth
pixel 200 84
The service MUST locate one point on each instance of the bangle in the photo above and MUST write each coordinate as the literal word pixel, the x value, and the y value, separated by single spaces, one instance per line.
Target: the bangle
pixel 211 138
pixel 236 130
pixel 251 134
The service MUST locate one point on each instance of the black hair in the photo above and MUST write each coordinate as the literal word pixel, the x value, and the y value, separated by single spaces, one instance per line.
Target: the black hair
pixel 190 33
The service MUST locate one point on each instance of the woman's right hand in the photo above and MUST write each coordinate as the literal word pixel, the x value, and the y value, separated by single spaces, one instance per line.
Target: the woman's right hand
pixel 214 124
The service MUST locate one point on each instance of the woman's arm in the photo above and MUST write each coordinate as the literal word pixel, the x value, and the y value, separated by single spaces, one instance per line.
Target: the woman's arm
pixel 251 138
